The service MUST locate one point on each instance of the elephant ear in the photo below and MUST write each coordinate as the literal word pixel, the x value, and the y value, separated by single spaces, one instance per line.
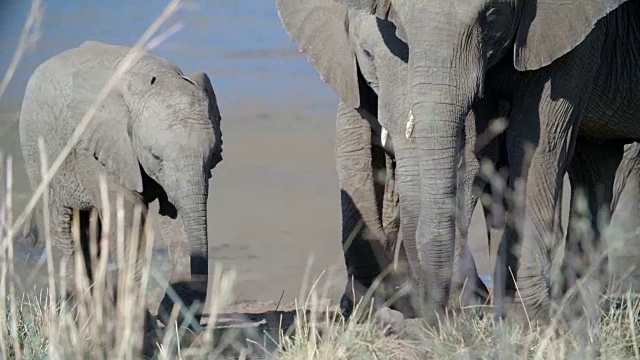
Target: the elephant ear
pixel 381 8
pixel 320 29
pixel 392 16
pixel 201 80
pixel 108 135
pixel 549 29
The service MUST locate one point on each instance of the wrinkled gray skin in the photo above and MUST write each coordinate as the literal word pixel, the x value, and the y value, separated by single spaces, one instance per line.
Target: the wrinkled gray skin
pixel 625 245
pixel 587 250
pixel 155 136
pixel 360 57
pixel 566 81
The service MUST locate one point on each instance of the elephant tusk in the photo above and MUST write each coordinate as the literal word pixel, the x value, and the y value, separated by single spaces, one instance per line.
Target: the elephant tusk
pixel 383 136
pixel 410 125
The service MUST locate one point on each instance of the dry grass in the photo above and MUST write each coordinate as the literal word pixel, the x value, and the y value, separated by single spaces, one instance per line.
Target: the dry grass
pixel 46 326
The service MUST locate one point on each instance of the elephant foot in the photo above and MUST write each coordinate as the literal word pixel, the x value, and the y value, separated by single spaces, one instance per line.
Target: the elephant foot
pixel 582 305
pixel 390 321
pixel 346 306
pixel 353 297
pixel 190 294
pixel 464 295
pixel 527 315
pixel 470 300
pixel 150 339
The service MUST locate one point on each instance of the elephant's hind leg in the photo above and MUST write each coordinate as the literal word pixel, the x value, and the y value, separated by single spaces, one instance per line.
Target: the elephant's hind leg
pixel 592 173
pixel 61 218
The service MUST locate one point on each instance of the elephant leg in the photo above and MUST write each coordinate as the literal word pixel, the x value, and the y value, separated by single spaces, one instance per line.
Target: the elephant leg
pixel 628 169
pixel 394 248
pixel 130 201
pixel 362 233
pixel 592 173
pixel 120 231
pixel 545 117
pixel 466 286
pixel 537 193
pixel 622 240
pixel 484 144
pixel 64 249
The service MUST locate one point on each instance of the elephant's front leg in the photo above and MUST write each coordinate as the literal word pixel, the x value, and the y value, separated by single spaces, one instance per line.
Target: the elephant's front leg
pixel 538 167
pixel 121 205
pixel 592 173
pixel 362 234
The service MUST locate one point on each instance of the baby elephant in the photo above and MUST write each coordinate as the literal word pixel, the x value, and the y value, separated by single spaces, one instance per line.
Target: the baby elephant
pixel 156 135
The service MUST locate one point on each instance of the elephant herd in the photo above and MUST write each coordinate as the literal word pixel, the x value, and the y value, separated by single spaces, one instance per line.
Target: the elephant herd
pixel 429 93
pixel 422 88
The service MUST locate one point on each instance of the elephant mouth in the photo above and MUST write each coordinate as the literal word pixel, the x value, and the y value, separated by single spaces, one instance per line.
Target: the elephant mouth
pixel 151 191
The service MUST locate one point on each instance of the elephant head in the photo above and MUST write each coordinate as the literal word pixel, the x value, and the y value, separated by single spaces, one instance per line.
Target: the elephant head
pixel 453 44
pixel 177 142
pixel 169 138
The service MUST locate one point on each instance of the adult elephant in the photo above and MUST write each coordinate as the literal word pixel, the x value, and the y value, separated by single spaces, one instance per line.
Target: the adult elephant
pixel 563 53
pixel 156 135
pixel 365 63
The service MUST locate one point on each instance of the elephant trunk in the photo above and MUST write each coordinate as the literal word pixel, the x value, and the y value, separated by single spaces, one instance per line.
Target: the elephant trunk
pixel 191 204
pixel 444 78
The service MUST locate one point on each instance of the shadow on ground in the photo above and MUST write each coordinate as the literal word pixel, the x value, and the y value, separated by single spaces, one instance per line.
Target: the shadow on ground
pixel 253 330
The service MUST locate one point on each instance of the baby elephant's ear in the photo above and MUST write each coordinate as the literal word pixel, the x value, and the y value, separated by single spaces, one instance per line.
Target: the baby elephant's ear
pixel 202 80
pixel 199 79
pixel 108 135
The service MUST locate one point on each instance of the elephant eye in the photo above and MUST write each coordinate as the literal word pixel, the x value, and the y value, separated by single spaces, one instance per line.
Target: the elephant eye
pixel 153 80
pixel 154 155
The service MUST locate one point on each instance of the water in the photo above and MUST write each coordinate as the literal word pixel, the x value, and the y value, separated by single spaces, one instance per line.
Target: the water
pixel 239 43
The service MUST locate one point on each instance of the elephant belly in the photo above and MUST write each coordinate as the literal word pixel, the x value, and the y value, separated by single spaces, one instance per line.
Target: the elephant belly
pixel 613 108
pixel 67 188
pixel 613 114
